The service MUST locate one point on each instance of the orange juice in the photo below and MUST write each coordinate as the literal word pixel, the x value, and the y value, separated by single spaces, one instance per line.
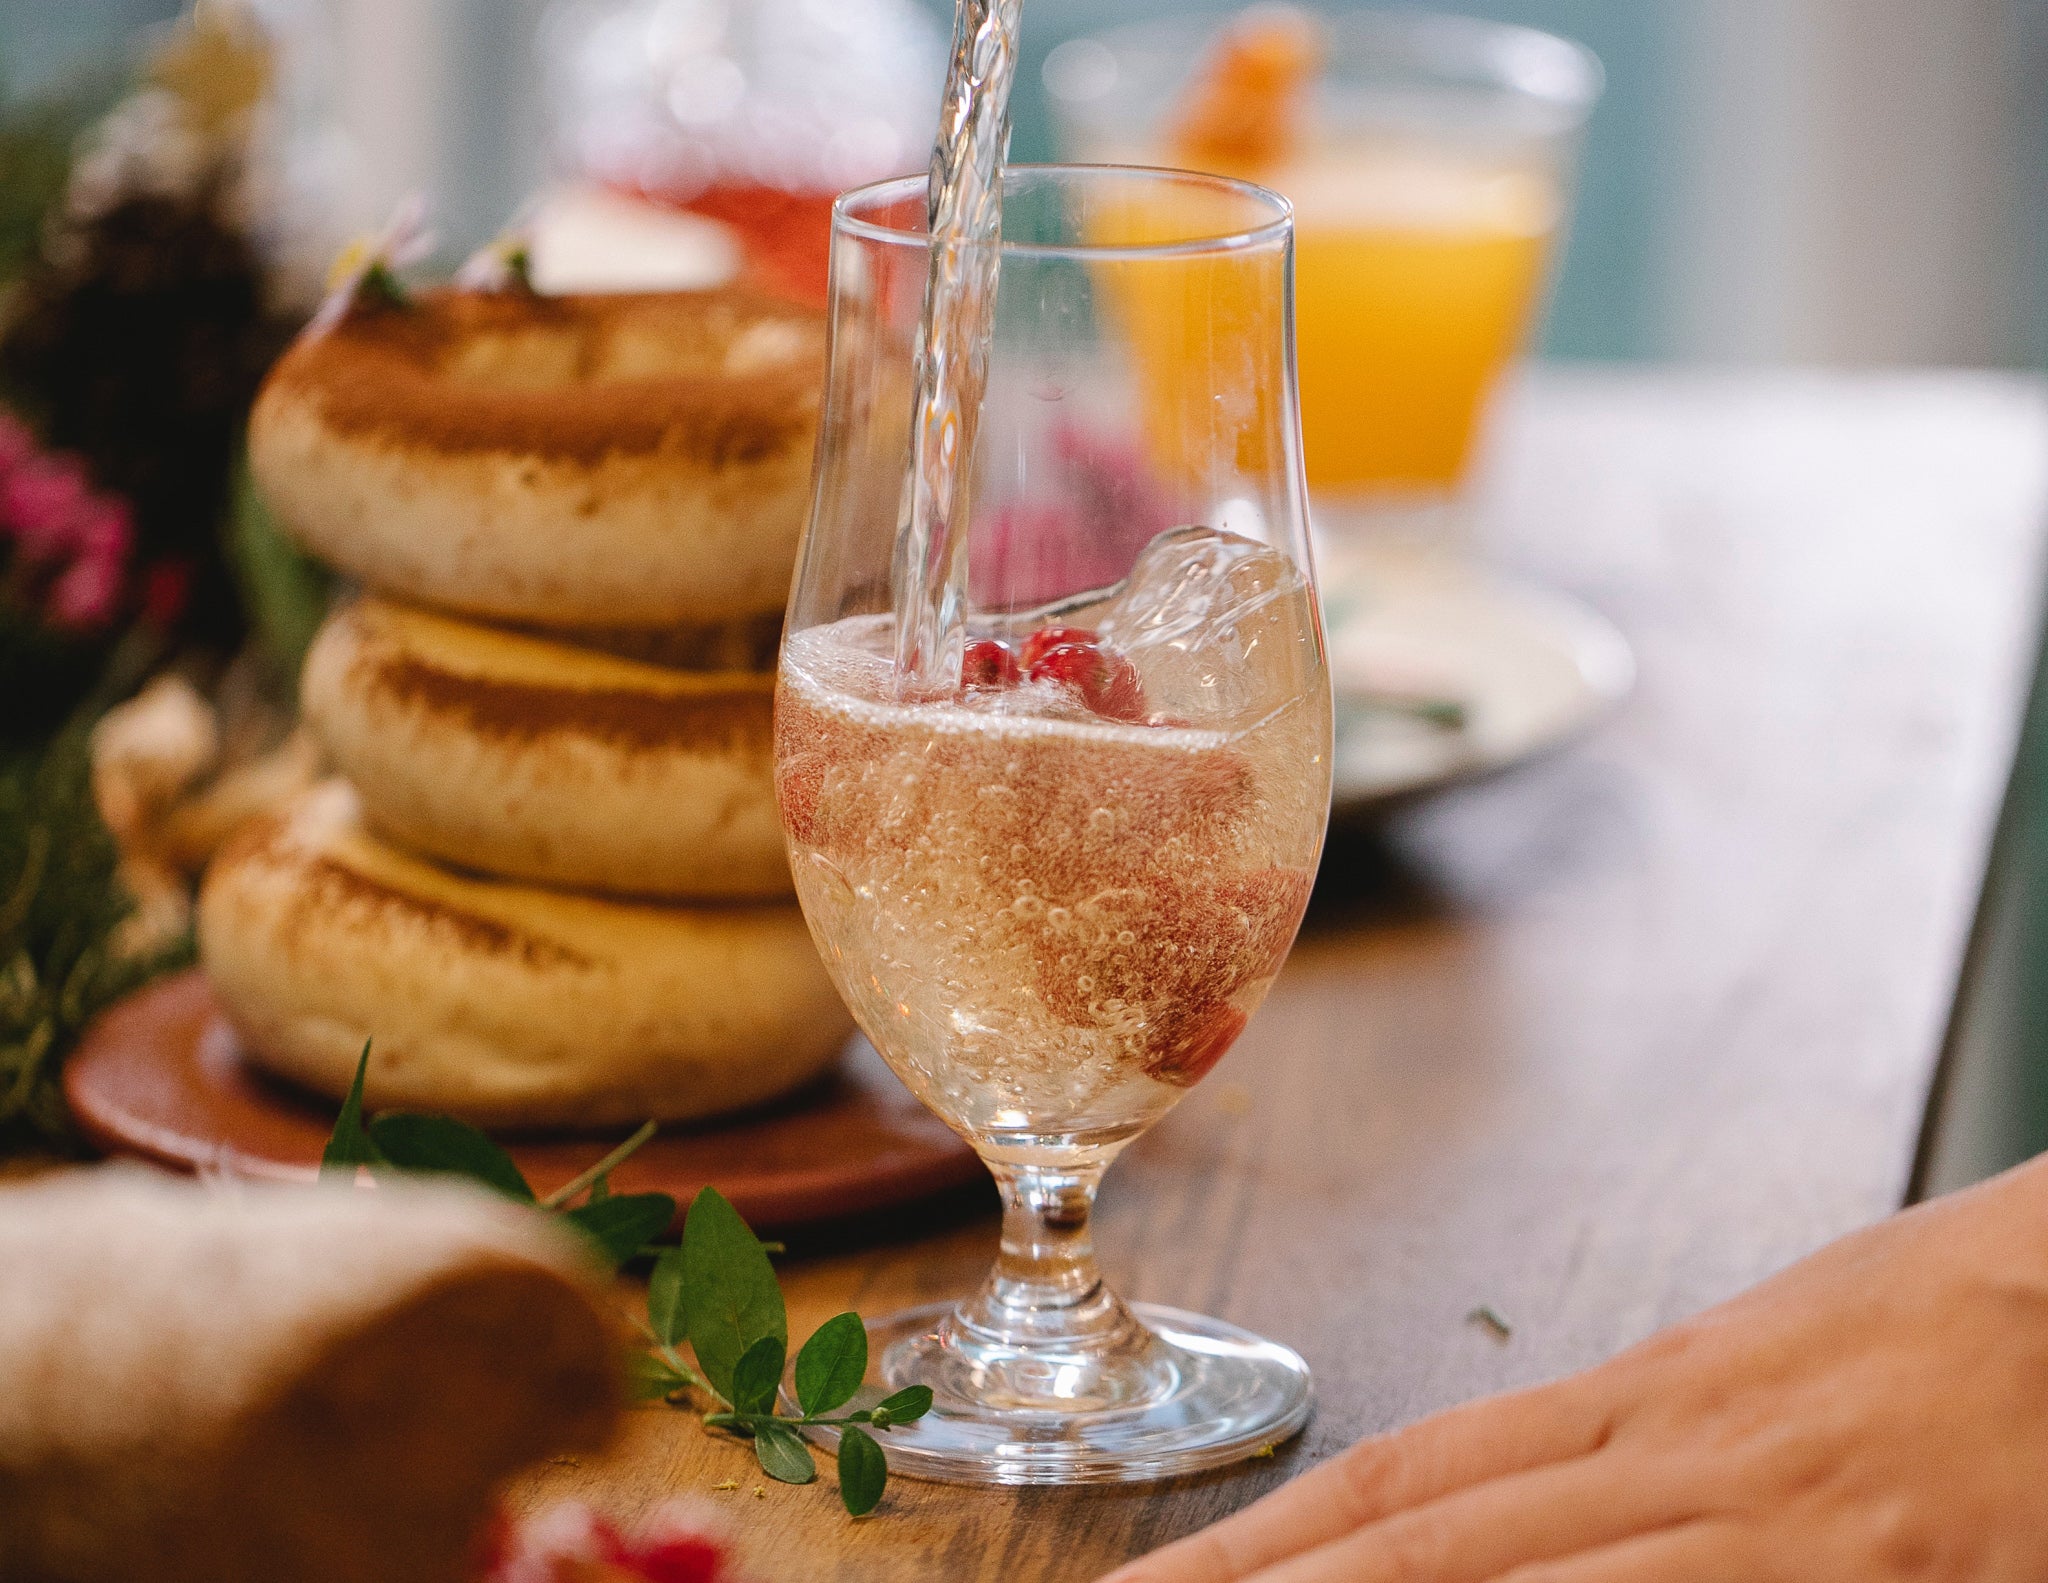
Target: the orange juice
pixel 1417 274
pixel 1428 159
pixel 1175 313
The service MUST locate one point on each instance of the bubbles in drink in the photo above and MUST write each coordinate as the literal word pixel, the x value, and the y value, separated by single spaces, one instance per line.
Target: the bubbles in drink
pixel 1052 898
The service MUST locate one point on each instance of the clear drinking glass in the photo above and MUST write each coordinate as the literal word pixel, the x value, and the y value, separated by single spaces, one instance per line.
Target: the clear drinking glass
pixel 1053 892
pixel 1431 173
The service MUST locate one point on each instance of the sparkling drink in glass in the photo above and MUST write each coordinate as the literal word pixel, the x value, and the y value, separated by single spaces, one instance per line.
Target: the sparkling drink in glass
pixel 1054 884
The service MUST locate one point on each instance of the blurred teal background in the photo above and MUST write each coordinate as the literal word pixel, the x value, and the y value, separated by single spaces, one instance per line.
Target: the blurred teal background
pixel 43 43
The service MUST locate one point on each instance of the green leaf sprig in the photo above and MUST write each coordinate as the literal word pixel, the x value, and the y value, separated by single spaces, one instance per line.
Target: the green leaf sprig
pixel 718 1291
pixel 714 1291
pixel 618 1227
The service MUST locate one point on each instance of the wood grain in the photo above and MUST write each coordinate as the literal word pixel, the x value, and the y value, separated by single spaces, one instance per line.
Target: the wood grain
pixel 1597 1044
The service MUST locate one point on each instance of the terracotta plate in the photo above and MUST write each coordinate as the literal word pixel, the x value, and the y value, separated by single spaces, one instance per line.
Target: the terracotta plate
pixel 162 1075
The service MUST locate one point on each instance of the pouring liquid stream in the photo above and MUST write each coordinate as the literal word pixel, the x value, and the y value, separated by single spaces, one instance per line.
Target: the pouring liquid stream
pixel 965 220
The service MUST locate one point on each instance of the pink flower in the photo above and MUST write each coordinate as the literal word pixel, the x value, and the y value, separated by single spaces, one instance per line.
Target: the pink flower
pixel 41 502
pixel 16 443
pixel 103 529
pixel 84 597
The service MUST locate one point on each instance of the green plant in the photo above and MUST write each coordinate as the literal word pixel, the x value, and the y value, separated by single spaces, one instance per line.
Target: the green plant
pixel 62 905
pixel 715 1291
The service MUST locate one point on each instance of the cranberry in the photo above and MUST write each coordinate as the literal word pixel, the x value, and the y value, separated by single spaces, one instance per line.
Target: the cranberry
pixel 1046 638
pixel 1190 1050
pixel 990 666
pixel 689 1559
pixel 1107 682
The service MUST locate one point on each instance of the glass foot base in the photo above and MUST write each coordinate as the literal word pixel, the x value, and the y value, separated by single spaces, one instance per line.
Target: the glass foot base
pixel 1207 1393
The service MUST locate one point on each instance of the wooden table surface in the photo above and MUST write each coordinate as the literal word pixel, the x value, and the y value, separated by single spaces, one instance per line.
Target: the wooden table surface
pixel 1596 1044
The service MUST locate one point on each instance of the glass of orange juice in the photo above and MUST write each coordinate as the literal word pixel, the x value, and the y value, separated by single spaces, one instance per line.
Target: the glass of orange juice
pixel 1429 160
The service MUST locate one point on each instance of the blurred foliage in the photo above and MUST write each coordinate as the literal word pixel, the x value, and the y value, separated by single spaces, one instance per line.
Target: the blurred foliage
pixel 35 160
pixel 36 143
pixel 134 335
pixel 62 905
pixel 286 593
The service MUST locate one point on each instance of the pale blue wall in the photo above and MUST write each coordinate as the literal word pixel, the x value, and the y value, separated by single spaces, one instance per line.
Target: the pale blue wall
pixel 43 42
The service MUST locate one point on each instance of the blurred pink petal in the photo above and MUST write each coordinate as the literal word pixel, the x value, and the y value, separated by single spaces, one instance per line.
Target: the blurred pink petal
pixel 1094 505
pixel 41 502
pixel 103 528
pixel 1029 552
pixel 17 445
pixel 1115 489
pixel 85 596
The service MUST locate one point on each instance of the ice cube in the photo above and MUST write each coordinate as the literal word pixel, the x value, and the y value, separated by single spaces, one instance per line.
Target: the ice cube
pixel 1220 627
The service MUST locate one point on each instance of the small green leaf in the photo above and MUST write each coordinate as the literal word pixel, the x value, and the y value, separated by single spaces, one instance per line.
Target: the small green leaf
pixel 665 1297
pixel 832 1364
pixel 906 1405
pixel 443 1146
pixel 783 1454
pixel 863 1471
pixel 601 1188
pixel 757 1376
pixel 381 285
pixel 621 1226
pixel 649 1379
pixel 730 1298
pixel 349 1146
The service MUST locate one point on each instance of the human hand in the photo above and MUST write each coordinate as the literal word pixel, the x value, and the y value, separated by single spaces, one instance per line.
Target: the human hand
pixel 1877 1413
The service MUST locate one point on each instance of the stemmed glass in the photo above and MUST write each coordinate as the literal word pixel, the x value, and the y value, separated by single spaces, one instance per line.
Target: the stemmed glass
pixel 1053 891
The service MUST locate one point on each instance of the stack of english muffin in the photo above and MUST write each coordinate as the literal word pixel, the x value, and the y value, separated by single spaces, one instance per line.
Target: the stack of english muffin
pixel 549 886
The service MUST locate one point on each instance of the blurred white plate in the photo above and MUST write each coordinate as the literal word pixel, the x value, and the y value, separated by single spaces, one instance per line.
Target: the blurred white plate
pixel 1531 670
pixel 586 238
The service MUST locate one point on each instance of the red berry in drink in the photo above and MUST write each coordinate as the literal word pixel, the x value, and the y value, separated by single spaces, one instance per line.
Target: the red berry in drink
pixel 1052 637
pixel 989 666
pixel 1107 682
pixel 1183 1057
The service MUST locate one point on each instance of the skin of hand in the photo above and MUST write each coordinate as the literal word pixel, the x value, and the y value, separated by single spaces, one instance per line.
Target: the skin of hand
pixel 1877 1413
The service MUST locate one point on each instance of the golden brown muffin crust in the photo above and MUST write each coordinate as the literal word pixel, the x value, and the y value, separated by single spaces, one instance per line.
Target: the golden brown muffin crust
pixel 724 377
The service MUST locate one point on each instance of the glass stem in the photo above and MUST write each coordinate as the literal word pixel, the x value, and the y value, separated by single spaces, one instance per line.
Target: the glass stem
pixel 1046 1290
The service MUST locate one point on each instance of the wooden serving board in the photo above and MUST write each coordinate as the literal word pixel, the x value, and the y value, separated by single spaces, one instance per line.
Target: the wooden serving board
pixel 162 1076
